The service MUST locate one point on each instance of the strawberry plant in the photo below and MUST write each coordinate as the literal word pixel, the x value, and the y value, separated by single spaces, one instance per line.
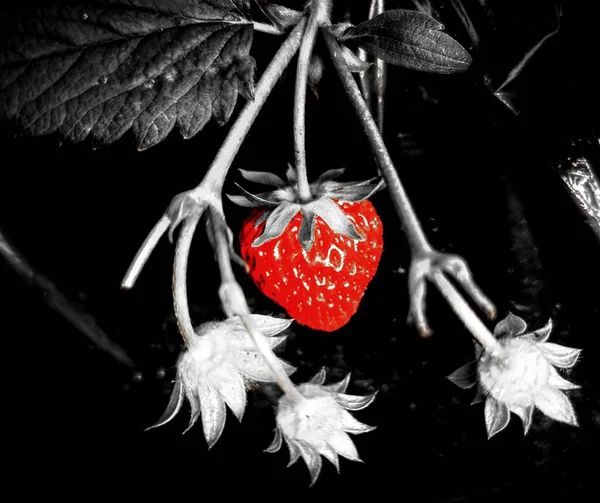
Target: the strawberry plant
pixel 303 247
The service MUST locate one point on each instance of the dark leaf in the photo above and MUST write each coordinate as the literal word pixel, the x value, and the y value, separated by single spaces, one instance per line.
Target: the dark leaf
pixel 116 65
pixel 410 39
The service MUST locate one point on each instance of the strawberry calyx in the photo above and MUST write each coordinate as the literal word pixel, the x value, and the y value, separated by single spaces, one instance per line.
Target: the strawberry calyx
pixel 283 203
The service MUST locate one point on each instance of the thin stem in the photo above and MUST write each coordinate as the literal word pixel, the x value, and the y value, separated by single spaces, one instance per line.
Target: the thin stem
pixel 466 314
pixel 261 343
pixel 235 305
pixel 412 227
pixel 318 16
pixel 180 298
pixel 419 244
pixel 144 252
pixel 221 245
pixel 215 177
pixel 376 76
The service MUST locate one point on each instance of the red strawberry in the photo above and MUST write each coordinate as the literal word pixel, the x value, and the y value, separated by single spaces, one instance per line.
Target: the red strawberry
pixel 315 259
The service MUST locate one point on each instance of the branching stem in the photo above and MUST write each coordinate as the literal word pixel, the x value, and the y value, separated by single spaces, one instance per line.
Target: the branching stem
pixel 416 237
pixel 215 177
pixel 319 15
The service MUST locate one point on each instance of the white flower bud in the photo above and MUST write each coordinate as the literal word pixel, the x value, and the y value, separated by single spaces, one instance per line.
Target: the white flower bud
pixel 216 369
pixel 517 376
pixel 522 376
pixel 319 424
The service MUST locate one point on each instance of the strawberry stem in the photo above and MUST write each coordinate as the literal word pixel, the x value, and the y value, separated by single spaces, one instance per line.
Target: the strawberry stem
pixel 414 232
pixel 144 252
pixel 234 304
pixel 180 298
pixel 466 314
pixel 319 15
pixel 411 225
pixel 376 76
pixel 215 177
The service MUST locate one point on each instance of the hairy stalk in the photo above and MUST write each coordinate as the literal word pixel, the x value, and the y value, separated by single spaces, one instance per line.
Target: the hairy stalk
pixel 466 314
pixel 144 252
pixel 282 379
pixel 180 298
pixel 266 28
pixel 416 237
pixel 410 222
pixel 234 304
pixel 215 176
pixel 376 76
pixel 319 15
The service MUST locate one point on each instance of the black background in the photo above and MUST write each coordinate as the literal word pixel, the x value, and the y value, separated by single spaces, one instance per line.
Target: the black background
pixel 483 183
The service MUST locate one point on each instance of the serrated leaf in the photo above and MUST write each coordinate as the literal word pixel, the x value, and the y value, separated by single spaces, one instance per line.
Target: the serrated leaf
pixel 409 39
pixel 100 70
